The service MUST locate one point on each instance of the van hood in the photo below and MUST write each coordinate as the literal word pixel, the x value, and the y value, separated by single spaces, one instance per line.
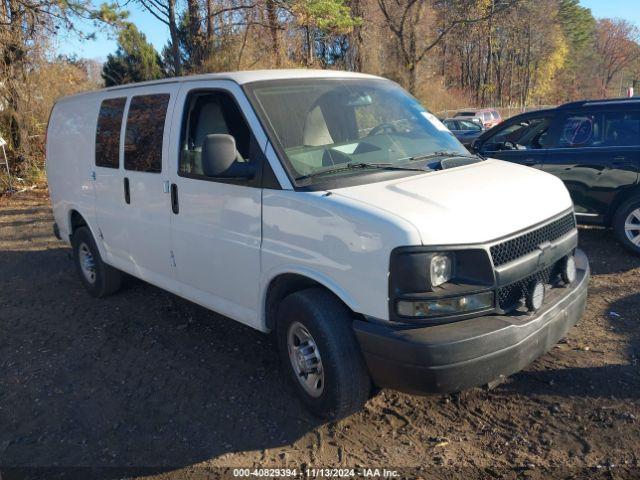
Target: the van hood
pixel 476 203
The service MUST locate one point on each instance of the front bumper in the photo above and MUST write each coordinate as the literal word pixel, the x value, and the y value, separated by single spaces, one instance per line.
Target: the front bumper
pixel 469 353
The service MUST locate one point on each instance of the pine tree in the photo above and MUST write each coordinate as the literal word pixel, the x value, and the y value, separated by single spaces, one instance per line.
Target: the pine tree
pixel 135 60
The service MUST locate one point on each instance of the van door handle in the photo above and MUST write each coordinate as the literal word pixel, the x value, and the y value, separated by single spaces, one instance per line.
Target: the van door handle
pixel 127 194
pixel 175 206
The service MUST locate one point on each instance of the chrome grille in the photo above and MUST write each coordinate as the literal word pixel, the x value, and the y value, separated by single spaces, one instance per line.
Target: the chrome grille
pixel 517 247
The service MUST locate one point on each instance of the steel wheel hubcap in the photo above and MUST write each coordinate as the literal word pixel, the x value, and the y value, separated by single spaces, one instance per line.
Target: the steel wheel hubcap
pixel 87 263
pixel 632 227
pixel 305 359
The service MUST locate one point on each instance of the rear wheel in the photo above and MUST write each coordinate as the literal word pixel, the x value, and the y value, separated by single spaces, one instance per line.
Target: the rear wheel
pixel 97 277
pixel 320 353
pixel 626 224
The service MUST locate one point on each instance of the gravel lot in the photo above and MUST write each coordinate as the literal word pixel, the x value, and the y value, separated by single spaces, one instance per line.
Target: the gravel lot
pixel 146 379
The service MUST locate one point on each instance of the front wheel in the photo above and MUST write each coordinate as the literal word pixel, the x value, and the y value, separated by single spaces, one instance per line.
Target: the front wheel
pixel 626 224
pixel 320 354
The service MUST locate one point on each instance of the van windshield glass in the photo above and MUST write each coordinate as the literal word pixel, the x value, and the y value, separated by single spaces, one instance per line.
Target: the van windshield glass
pixel 321 124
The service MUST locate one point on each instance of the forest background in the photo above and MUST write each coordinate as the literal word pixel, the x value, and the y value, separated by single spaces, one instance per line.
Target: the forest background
pixel 509 54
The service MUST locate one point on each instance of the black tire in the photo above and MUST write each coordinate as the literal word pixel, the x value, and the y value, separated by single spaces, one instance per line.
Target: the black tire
pixel 346 380
pixel 619 219
pixel 106 279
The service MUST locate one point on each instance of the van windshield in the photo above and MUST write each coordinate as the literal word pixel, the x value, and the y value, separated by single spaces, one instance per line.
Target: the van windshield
pixel 321 124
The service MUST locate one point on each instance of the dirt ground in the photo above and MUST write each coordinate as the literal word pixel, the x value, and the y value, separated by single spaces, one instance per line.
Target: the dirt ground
pixel 150 384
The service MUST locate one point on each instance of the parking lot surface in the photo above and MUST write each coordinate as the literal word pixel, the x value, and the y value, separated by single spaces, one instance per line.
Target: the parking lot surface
pixel 146 379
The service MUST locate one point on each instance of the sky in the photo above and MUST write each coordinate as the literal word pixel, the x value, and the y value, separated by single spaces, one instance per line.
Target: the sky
pixel 157 33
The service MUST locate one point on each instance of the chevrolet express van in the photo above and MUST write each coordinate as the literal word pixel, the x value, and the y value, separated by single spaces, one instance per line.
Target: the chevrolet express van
pixel 329 208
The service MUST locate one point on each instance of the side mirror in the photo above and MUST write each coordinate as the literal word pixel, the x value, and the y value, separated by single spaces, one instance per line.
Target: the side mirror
pixel 476 145
pixel 219 157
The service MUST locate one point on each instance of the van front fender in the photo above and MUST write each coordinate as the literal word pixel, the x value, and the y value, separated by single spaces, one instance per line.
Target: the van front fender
pixel 313 278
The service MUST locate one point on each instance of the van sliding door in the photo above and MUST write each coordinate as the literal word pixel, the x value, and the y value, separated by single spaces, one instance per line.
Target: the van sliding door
pixel 144 192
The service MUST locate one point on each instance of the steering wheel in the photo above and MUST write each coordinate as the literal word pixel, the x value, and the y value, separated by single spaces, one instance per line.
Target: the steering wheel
pixel 383 128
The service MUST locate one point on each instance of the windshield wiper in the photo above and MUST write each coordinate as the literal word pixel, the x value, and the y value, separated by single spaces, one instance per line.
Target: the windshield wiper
pixel 360 165
pixel 444 153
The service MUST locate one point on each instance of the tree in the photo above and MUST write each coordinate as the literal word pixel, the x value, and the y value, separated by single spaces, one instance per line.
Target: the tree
pixel 197 41
pixel 319 18
pixel 26 29
pixel 165 12
pixel 617 46
pixel 578 28
pixel 274 27
pixel 407 20
pixel 577 23
pixel 135 60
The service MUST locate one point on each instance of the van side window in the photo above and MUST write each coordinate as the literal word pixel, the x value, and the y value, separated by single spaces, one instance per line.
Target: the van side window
pixel 209 113
pixel 108 132
pixel 143 136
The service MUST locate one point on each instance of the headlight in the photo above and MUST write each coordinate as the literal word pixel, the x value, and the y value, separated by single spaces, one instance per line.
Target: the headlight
pixel 424 283
pixel 440 270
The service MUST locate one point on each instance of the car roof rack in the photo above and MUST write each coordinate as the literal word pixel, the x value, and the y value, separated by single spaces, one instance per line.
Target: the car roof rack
pixel 603 101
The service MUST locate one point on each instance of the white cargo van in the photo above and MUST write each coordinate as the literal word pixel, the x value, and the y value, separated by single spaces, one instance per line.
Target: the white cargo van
pixel 330 208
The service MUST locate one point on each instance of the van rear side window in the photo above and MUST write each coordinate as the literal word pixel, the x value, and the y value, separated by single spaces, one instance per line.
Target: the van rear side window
pixel 108 132
pixel 143 137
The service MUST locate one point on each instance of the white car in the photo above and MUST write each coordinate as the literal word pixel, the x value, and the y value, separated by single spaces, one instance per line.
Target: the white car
pixel 330 208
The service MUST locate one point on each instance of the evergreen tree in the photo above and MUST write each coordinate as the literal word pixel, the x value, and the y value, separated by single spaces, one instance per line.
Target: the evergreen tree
pixel 135 60
pixel 578 26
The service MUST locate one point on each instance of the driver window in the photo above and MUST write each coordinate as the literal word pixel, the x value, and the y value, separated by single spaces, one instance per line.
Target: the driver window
pixel 211 113
pixel 534 135
pixel 505 133
pixel 525 135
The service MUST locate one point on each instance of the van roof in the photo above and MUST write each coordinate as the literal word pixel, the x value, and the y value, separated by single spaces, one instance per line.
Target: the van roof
pixel 241 78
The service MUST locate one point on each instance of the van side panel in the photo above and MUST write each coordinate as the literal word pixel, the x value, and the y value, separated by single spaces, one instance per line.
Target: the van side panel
pixel 69 160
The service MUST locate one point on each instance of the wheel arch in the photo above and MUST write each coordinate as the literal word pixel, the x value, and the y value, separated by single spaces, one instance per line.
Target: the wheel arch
pixel 620 199
pixel 76 219
pixel 285 283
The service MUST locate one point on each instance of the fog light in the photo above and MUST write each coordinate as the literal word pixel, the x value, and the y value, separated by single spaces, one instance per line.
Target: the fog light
pixel 445 306
pixel 568 271
pixel 535 295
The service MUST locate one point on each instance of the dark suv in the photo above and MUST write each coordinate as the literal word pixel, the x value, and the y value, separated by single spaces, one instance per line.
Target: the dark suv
pixel 593 146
